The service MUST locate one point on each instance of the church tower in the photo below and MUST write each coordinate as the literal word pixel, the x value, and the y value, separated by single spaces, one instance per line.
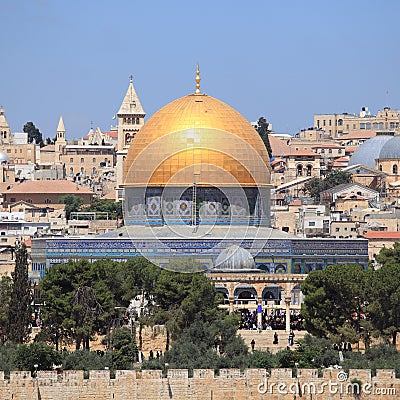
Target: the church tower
pixel 60 138
pixel 4 128
pixel 130 120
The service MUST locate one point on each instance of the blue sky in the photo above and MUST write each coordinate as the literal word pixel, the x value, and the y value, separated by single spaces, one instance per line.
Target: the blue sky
pixel 285 60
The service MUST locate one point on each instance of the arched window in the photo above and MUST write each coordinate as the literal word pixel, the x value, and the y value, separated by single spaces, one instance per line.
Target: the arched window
pixel 299 170
pixel 395 169
pixel 71 171
pixel 82 160
pixel 380 168
pixel 309 170
pixel 340 122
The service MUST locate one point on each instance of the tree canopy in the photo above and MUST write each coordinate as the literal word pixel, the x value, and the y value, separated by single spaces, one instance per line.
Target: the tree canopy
pixel 72 204
pixel 317 185
pixel 33 133
pixel 264 131
pixel 19 310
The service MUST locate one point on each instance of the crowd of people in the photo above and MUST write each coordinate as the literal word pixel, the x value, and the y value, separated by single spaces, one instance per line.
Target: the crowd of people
pixel 274 320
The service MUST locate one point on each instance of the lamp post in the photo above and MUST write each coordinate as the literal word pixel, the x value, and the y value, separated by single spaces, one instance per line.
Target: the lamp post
pixel 358 322
pixel 36 367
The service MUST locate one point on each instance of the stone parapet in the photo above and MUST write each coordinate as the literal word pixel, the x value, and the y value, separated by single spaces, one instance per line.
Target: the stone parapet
pixel 228 384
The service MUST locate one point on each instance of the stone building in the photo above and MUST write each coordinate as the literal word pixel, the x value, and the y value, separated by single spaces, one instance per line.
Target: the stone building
pixel 340 125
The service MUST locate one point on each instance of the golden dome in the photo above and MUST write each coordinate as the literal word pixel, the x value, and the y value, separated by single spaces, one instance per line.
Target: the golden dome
pixel 197 138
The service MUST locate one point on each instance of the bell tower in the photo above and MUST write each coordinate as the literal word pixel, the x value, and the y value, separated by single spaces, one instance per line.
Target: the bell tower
pixel 130 120
pixel 4 128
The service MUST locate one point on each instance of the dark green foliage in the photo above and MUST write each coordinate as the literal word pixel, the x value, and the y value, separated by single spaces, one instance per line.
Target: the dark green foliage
pixel 33 133
pixel 332 299
pixel 263 131
pixel 334 178
pixel 86 360
pixel 5 296
pixel 19 311
pixel 40 354
pixel 113 208
pixel 378 357
pixel 72 204
pixel 125 352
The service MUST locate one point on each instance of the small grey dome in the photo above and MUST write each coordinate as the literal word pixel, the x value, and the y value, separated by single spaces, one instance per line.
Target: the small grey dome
pixel 369 151
pixel 235 258
pixel 391 149
pixel 3 157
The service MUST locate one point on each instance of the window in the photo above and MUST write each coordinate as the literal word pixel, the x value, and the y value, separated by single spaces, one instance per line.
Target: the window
pixel 362 125
pixel 12 200
pixel 309 170
pixel 392 125
pixel 395 169
pixel 71 171
pixel 380 168
pixel 347 126
pixel 376 125
pixel 368 125
pixel 324 122
pixel 71 160
pixel 337 230
pixel 354 126
pixel 82 160
pixel 339 151
pixel 300 170
pixel 311 223
pixel 330 122
pixel 47 201
pixel 330 151
pixel 380 125
pixel 340 122
pixel 317 123
pixel 94 160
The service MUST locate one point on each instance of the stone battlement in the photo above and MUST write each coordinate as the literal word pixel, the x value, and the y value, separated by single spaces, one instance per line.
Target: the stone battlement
pixel 229 384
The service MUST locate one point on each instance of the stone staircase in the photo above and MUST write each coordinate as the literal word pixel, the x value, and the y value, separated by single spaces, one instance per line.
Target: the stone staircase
pixel 264 339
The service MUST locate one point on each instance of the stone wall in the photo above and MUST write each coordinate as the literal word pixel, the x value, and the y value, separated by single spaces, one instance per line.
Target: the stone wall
pixel 230 384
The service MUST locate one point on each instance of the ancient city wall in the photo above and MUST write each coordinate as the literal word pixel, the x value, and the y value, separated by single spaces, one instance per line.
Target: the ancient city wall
pixel 230 384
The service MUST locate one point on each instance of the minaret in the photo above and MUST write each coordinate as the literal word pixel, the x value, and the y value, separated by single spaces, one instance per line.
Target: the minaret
pixel 60 138
pixel 4 128
pixel 130 120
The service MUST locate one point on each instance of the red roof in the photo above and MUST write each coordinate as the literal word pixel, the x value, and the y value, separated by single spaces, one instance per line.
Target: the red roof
pixel 303 152
pixel 113 134
pixel 382 235
pixel 278 146
pixel 358 135
pixel 57 186
pixel 296 202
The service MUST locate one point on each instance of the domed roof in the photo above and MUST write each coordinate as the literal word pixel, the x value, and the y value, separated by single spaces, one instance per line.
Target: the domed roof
pixel 197 137
pixel 235 258
pixel 370 150
pixel 3 157
pixel 391 149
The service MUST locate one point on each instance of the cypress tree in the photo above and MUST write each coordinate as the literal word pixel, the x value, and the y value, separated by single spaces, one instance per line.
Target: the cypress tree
pixel 20 312
pixel 263 131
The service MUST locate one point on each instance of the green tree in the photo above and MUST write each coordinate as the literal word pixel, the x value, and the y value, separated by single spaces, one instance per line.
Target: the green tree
pixel 124 349
pixel 72 203
pixel 334 178
pixel 78 302
pixel 331 307
pixel 40 354
pixel 264 131
pixel 113 208
pixel 5 296
pixel 384 295
pixel 19 311
pixel 33 133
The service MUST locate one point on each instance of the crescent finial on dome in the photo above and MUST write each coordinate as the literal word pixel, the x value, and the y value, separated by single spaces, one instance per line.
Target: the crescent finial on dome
pixel 197 79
